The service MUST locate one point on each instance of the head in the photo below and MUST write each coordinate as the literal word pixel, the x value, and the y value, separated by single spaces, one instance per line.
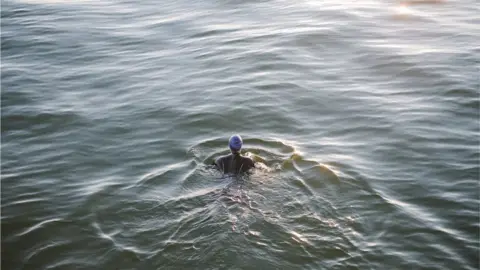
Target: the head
pixel 235 143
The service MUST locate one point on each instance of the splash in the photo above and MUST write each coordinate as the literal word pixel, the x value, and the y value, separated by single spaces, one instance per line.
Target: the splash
pixel 297 237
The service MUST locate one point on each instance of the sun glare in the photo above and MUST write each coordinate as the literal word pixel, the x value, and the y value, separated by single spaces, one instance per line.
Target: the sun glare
pixel 403 10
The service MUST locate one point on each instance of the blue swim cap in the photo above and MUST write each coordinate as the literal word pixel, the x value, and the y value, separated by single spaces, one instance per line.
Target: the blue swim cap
pixel 235 142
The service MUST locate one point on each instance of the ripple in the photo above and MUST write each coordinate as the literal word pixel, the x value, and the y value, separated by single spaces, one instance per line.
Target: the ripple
pixel 155 178
pixel 45 248
pixel 210 33
pixel 38 226
pixel 41 122
pixel 117 245
pixel 263 149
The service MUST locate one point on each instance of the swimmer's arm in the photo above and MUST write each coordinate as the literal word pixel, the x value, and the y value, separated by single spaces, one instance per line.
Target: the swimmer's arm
pixel 218 163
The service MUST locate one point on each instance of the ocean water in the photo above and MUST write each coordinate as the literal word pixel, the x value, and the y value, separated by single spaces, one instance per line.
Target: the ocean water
pixel 363 116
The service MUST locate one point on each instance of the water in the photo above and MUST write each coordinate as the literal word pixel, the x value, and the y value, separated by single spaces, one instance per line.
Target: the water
pixel 363 115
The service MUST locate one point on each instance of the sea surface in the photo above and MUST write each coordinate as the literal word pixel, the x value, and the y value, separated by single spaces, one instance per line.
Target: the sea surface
pixel 363 117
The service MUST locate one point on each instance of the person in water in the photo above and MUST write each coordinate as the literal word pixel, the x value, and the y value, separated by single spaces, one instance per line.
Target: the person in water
pixel 234 162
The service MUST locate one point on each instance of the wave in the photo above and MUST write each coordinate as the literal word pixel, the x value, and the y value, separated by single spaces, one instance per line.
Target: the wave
pixel 44 121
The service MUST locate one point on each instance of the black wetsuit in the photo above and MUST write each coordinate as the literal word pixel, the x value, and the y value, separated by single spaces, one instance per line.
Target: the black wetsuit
pixel 234 163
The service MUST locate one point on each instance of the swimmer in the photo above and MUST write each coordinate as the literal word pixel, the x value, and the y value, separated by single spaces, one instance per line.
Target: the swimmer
pixel 234 163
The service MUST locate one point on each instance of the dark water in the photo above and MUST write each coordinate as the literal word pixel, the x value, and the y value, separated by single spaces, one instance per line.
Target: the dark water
pixel 363 115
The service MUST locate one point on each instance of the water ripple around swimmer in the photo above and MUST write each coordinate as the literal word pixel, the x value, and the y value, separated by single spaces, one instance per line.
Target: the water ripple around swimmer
pixel 224 206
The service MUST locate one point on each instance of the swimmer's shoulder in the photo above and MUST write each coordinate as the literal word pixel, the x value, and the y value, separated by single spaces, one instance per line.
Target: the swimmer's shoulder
pixel 248 161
